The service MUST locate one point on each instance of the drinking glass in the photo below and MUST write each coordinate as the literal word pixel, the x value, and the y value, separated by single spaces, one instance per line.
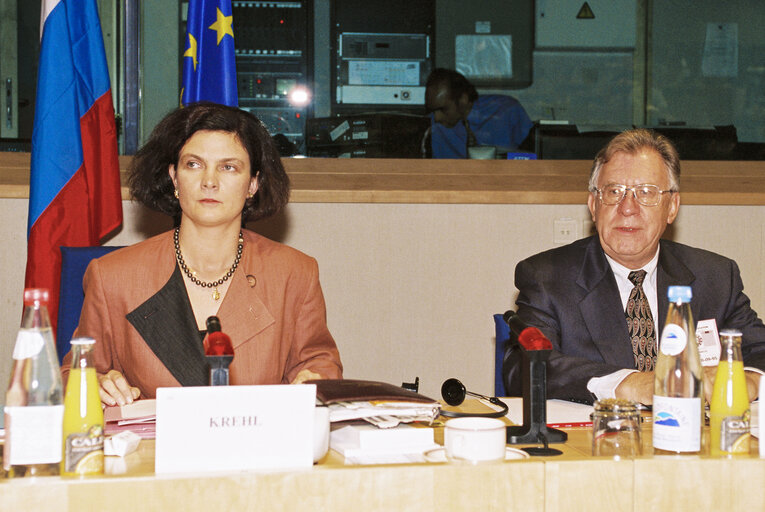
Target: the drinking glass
pixel 616 428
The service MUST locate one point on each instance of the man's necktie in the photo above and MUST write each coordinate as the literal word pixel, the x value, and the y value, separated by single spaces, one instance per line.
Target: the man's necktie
pixel 640 324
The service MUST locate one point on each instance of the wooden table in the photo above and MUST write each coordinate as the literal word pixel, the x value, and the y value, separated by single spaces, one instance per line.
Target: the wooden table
pixel 572 481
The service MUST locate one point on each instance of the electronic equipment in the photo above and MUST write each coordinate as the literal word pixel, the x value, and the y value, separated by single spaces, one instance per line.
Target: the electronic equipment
pixel 274 63
pixel 376 135
pixel 382 55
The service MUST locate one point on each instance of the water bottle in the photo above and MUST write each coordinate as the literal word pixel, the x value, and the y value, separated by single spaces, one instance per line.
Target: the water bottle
pixel 678 389
pixel 34 407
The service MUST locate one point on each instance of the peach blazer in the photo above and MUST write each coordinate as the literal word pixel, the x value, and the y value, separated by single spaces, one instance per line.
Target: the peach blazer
pixel 137 309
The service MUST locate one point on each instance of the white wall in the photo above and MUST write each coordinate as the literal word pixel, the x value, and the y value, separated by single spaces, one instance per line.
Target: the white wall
pixel 410 289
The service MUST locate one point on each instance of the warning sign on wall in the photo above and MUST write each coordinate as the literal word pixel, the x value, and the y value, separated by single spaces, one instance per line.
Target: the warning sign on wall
pixel 585 13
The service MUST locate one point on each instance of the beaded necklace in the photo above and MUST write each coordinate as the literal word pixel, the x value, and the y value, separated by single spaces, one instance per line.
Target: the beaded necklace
pixel 191 275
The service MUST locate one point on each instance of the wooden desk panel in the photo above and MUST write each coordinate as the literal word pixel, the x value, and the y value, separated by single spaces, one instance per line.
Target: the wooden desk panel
pixel 574 481
pixel 332 180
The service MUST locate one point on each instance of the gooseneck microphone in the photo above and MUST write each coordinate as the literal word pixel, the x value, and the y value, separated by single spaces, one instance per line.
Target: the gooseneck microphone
pixel 453 392
pixel 529 337
pixel 535 351
pixel 218 352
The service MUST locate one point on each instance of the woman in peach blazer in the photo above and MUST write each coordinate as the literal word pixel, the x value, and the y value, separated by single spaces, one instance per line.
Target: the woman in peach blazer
pixel 212 168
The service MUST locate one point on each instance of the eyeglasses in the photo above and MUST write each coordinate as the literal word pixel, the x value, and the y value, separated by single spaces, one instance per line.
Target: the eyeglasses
pixel 645 194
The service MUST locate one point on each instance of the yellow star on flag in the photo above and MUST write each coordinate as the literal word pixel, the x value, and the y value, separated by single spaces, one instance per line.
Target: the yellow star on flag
pixel 223 25
pixel 191 51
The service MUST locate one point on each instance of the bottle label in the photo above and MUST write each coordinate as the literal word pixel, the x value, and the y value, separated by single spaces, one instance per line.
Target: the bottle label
pixel 677 424
pixel 33 434
pixel 734 434
pixel 29 343
pixel 673 340
pixel 84 451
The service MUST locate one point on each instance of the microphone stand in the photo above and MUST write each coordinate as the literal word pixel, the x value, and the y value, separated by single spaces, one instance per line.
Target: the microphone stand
pixel 534 386
pixel 219 369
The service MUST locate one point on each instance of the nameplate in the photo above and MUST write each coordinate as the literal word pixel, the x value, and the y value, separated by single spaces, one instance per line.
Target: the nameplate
pixel 231 428
pixel 708 340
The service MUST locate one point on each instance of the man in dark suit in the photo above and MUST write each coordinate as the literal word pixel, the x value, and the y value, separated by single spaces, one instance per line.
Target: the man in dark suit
pixel 577 294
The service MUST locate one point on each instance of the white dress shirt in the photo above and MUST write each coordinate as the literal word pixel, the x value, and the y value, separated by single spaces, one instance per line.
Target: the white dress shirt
pixel 605 386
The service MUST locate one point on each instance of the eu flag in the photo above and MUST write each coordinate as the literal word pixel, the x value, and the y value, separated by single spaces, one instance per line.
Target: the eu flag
pixel 209 67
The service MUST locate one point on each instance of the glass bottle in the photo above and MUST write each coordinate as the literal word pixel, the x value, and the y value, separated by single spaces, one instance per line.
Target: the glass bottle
pixel 678 390
pixel 729 410
pixel 33 402
pixel 83 445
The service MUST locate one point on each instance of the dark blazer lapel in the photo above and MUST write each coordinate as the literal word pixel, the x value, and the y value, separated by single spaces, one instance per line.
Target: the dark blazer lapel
pixel 166 322
pixel 671 271
pixel 602 310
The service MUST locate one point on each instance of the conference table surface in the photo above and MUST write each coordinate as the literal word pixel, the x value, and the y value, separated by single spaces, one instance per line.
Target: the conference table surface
pixel 573 480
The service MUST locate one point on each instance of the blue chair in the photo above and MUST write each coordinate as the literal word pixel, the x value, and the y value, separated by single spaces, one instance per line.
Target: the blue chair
pixel 502 334
pixel 74 261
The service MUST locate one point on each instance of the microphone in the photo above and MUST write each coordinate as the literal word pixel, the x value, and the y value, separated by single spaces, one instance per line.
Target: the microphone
pixel 536 350
pixel 219 352
pixel 530 338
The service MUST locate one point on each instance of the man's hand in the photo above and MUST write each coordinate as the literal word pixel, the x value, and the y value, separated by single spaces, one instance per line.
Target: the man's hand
pixel 304 375
pixel 708 378
pixel 637 387
pixel 114 389
pixel 753 385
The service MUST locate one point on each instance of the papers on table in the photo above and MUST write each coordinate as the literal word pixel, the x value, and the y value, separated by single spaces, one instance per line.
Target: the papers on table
pixel 560 413
pixel 383 414
pixel 380 403
pixel 367 444
pixel 139 417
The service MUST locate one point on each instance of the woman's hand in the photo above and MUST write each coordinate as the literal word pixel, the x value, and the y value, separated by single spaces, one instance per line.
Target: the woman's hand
pixel 114 389
pixel 304 375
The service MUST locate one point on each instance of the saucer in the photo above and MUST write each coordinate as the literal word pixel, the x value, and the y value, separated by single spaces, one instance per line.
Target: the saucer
pixel 439 454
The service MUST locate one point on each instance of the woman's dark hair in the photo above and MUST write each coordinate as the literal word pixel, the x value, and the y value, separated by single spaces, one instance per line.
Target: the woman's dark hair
pixel 150 182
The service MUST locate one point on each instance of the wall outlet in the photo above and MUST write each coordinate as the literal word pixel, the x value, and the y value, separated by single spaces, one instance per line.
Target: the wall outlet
pixel 566 231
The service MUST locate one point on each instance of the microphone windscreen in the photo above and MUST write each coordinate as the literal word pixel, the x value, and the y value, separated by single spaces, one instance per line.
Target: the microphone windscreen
pixel 532 338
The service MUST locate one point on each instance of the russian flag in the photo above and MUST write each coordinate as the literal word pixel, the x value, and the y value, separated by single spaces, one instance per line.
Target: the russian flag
pixel 74 189
pixel 209 60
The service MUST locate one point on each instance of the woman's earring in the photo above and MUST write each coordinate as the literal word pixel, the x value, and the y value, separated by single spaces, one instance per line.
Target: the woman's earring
pixel 250 196
pixel 175 193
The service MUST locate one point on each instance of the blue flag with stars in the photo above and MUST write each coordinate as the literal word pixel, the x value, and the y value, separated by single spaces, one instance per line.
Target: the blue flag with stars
pixel 209 67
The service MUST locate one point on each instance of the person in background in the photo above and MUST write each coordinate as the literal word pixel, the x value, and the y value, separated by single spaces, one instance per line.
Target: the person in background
pixel 581 295
pixel 211 168
pixel 461 118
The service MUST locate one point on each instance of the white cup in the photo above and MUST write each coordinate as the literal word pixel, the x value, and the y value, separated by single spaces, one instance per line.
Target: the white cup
pixel 320 433
pixel 475 440
pixel 482 152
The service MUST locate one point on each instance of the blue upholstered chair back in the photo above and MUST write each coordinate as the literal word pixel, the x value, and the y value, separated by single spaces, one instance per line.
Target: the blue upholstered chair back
pixel 74 261
pixel 502 335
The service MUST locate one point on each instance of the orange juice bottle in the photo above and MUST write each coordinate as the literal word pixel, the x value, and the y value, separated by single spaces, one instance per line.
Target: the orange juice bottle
pixel 83 450
pixel 729 410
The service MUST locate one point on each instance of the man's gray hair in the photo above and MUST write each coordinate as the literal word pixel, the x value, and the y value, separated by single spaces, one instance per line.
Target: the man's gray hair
pixel 631 142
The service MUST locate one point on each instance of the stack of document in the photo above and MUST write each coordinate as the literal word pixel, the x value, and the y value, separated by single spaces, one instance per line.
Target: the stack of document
pixel 381 404
pixel 367 444
pixel 139 417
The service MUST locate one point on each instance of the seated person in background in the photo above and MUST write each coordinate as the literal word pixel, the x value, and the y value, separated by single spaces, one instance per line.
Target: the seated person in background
pixel 211 168
pixel 457 112
pixel 578 294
